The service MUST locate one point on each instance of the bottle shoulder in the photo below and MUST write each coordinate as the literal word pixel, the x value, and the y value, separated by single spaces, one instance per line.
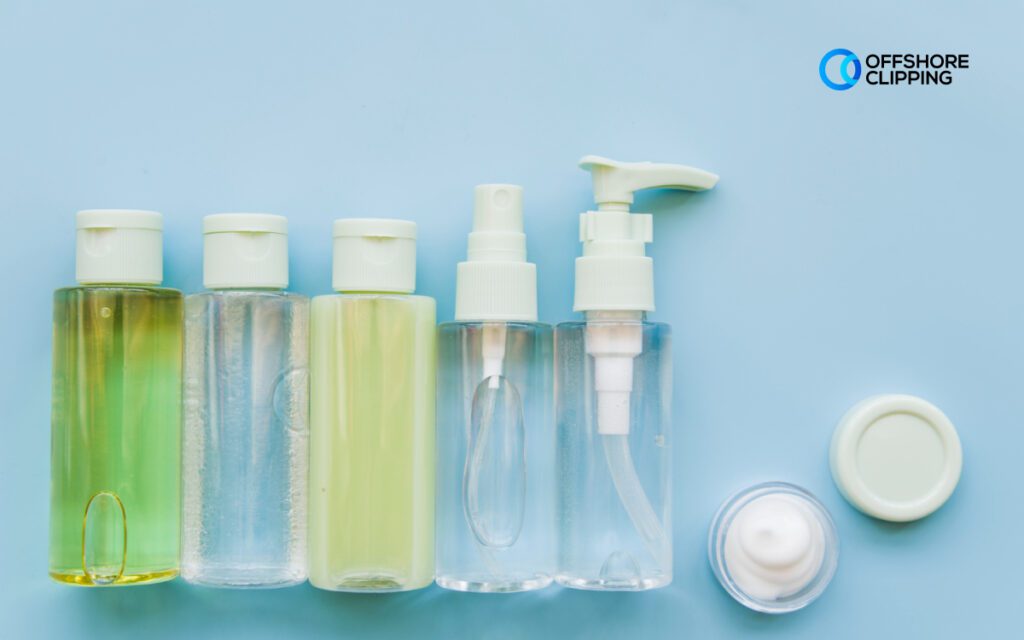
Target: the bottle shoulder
pixel 357 298
pixel 581 324
pixel 248 294
pixel 118 290
pixel 198 305
pixel 373 295
pixel 453 325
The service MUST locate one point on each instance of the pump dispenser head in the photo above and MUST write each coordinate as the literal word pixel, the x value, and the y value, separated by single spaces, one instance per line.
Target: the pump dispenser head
pixel 245 251
pixel 496 283
pixel 374 255
pixel 614 273
pixel 119 246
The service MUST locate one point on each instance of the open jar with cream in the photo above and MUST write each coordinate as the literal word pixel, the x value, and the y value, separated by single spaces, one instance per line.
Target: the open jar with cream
pixel 773 547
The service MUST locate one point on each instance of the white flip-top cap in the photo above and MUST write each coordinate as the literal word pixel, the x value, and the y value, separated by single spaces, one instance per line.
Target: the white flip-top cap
pixel 496 282
pixel 614 273
pixel 119 246
pixel 896 457
pixel 374 255
pixel 245 251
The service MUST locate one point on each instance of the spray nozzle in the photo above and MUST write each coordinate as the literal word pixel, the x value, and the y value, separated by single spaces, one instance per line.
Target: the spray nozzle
pixel 496 283
pixel 497 234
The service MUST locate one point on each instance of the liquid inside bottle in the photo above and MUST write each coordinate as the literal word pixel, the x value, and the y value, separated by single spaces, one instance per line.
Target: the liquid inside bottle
pixel 371 520
pixel 246 439
pixel 115 454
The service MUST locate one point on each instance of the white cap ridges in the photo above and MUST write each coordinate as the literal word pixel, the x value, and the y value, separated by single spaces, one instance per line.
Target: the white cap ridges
pixel 119 246
pixel 614 274
pixel 374 255
pixel 245 251
pixel 496 283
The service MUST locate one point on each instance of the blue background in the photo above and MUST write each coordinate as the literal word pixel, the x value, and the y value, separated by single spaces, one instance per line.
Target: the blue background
pixel 859 242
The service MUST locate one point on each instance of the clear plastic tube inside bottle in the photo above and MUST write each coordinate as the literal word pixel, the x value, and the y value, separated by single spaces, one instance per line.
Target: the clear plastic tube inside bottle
pixel 614 345
pixel 634 499
pixel 494 482
pixel 495 516
pixel 613 385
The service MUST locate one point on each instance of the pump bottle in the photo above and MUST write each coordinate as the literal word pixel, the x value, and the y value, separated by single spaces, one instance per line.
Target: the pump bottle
pixel 495 432
pixel 115 448
pixel 372 372
pixel 613 375
pixel 246 409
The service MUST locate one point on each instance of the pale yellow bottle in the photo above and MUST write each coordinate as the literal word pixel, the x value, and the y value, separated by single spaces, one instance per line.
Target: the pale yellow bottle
pixel 372 354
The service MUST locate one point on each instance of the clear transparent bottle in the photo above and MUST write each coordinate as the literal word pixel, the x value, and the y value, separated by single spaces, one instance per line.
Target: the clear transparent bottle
pixel 495 432
pixel 245 439
pixel 614 503
pixel 115 438
pixel 613 376
pixel 372 374
pixel 495 457
pixel 246 410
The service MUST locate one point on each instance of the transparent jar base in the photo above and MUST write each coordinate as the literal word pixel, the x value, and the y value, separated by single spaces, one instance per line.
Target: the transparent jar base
pixel 614 584
pixel 80 579
pixel 718 533
pixel 243 577
pixel 486 584
pixel 370 583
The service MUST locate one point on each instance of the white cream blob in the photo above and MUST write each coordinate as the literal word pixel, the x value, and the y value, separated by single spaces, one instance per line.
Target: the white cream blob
pixel 774 546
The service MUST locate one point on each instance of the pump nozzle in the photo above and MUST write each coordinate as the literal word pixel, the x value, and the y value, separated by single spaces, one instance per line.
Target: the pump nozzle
pixel 615 182
pixel 614 274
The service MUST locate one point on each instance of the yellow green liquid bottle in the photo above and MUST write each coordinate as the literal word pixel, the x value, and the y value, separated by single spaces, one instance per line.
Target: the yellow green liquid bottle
pixel 115 439
pixel 372 358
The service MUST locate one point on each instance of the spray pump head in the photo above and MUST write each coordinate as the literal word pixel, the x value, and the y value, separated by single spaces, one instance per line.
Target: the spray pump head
pixel 614 276
pixel 614 273
pixel 496 283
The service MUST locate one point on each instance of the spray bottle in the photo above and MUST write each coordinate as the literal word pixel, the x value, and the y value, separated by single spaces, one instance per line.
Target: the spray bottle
pixel 613 376
pixel 495 432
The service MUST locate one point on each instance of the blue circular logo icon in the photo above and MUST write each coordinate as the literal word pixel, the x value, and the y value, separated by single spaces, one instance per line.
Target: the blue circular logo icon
pixel 850 59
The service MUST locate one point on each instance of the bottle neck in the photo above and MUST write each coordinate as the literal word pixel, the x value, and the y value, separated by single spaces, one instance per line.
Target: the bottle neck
pixel 127 285
pixel 373 293
pixel 615 316
pixel 243 289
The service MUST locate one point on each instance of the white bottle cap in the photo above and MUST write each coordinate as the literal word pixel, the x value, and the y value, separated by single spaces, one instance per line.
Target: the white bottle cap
pixel 245 251
pixel 119 246
pixel 374 255
pixel 496 282
pixel 896 457
pixel 614 274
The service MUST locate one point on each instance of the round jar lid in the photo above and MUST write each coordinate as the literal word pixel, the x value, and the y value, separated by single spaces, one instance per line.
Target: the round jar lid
pixel 896 457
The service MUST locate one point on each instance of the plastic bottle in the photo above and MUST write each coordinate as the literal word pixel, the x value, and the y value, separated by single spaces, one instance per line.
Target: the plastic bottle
pixel 613 375
pixel 495 432
pixel 372 372
pixel 246 410
pixel 116 423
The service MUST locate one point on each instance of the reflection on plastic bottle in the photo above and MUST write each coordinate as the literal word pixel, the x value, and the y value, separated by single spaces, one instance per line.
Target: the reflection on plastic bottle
pixel 104 538
pixel 494 481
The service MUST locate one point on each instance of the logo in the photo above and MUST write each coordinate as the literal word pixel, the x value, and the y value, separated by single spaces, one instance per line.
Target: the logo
pixel 840 69
pixel 849 59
